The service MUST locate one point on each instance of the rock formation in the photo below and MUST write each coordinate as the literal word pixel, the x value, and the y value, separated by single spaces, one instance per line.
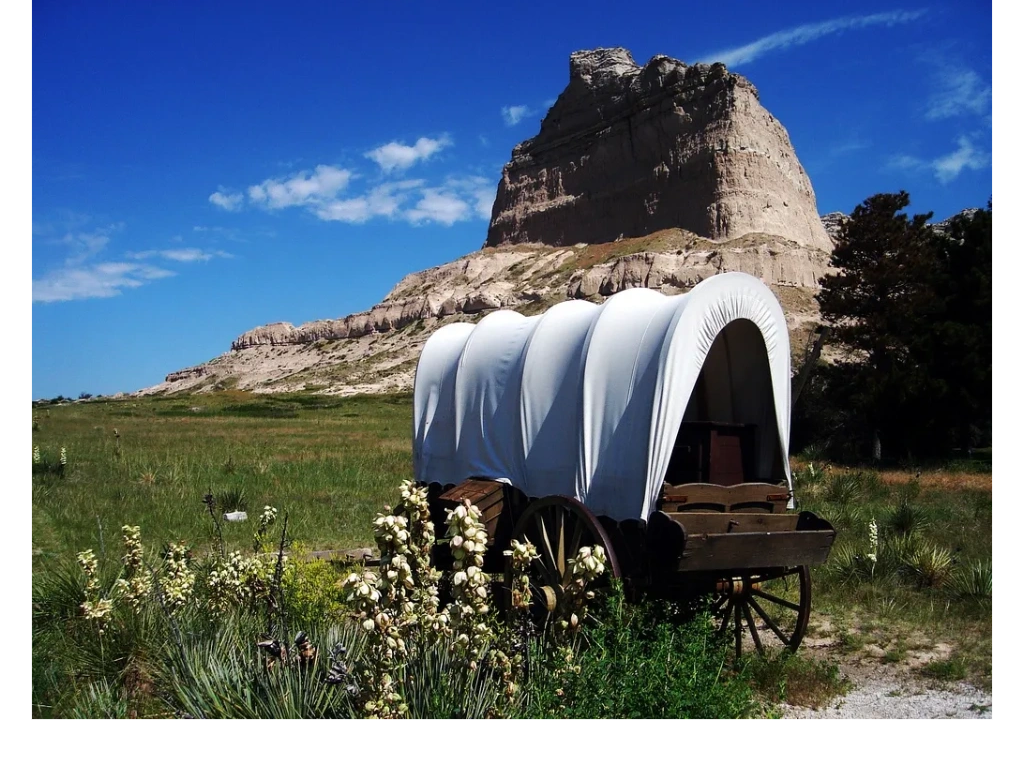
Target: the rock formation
pixel 832 223
pixel 626 151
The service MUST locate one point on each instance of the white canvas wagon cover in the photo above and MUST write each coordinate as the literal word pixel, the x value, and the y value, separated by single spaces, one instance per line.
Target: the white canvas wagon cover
pixel 586 400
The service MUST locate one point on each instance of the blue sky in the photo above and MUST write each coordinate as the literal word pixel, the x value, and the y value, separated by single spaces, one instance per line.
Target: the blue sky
pixel 200 169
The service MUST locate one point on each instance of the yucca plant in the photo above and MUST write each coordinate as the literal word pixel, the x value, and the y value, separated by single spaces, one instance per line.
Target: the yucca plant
pixel 845 489
pixel 224 675
pixel 928 565
pixel 233 500
pixel 907 517
pixel 974 581
pixel 100 700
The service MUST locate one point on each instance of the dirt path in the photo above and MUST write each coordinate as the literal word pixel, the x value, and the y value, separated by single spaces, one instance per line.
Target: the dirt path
pixel 894 691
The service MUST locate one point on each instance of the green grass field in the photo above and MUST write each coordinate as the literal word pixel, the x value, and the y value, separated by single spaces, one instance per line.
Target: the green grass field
pixel 331 463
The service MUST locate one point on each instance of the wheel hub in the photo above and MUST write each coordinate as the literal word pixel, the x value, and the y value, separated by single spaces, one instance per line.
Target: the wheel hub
pixel 549 597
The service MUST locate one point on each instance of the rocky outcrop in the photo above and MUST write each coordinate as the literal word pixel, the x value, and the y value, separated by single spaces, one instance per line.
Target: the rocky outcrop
pixel 628 150
pixel 488 280
pixel 832 223
pixel 944 226
pixel 190 373
pixel 775 263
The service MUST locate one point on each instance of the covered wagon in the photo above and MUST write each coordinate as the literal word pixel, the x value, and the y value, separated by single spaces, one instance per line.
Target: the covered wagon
pixel 656 426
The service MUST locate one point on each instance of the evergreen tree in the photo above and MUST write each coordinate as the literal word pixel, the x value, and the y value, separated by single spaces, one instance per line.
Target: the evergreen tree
pixel 911 311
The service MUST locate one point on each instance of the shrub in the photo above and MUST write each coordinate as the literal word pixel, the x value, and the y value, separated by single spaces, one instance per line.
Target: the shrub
pixel 645 661
pixel 928 565
pixel 845 489
pixel 974 581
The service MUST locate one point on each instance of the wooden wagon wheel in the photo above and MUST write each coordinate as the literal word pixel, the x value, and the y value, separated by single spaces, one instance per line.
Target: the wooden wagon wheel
pixel 773 607
pixel 558 526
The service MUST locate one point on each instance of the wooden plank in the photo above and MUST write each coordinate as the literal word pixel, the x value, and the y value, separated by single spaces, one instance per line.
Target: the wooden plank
pixel 746 551
pixel 726 449
pixel 698 523
pixel 744 496
pixel 476 491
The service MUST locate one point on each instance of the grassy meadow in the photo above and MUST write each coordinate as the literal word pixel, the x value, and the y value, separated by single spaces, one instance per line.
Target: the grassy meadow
pixel 329 462
pixel 910 574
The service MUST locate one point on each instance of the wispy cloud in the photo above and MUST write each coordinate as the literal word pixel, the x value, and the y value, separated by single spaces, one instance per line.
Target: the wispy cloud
pixel 98 280
pixel 87 270
pixel 79 245
pixel 957 90
pixel 181 255
pixel 513 115
pixel 849 147
pixel 227 200
pixel 217 231
pixel 399 156
pixel 946 168
pixel 807 33
pixel 319 185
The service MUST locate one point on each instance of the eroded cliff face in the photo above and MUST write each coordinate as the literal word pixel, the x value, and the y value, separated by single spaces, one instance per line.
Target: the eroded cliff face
pixel 628 150
pixel 376 350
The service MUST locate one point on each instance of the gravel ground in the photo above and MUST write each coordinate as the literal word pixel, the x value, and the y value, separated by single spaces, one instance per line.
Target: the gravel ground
pixel 897 700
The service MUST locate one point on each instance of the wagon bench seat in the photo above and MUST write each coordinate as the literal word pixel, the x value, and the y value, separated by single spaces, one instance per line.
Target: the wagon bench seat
pixel 751 497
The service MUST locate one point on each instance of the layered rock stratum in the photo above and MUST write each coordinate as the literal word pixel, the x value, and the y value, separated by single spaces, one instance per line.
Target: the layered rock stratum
pixel 628 150
pixel 377 350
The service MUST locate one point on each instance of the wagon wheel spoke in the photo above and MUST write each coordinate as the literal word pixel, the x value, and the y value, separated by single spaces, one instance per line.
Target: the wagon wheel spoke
pixel 546 546
pixel 543 571
pixel 767 620
pixel 738 631
pixel 560 517
pixel 574 543
pixel 777 600
pixel 752 629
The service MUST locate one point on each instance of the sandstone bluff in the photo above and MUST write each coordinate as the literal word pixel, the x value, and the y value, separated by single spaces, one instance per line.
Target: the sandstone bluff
pixel 657 176
pixel 626 151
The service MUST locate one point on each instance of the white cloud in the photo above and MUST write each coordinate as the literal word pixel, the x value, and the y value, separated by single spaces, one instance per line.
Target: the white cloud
pixel 100 280
pixel 302 188
pixel 399 156
pixel 957 90
pixel 439 206
pixel 807 33
pixel 484 201
pixel 457 200
pixel 228 201
pixel 513 115
pixel 967 156
pixel 325 192
pixel 383 200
